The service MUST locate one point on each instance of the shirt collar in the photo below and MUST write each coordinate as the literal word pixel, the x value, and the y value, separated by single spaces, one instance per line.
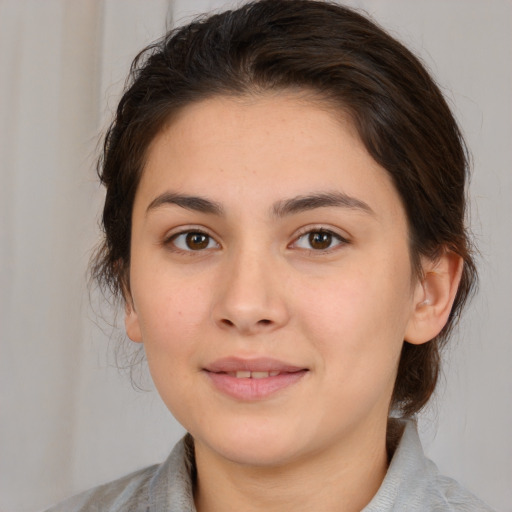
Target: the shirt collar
pixel 171 488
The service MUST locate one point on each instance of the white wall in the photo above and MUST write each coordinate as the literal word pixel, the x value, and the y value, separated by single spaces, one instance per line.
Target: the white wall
pixel 68 419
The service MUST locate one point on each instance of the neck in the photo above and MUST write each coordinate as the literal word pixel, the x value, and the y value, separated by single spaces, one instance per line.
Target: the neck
pixel 342 478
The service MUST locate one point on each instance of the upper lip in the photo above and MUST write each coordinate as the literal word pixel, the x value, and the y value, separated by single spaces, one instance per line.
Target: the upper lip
pixel 260 364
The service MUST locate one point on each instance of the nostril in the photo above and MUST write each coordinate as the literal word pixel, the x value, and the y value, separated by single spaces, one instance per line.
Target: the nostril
pixel 243 325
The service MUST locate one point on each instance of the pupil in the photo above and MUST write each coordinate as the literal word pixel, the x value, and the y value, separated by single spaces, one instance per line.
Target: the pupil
pixel 320 240
pixel 196 241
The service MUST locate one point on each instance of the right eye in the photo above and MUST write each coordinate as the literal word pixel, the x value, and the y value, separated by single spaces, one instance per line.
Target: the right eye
pixel 193 241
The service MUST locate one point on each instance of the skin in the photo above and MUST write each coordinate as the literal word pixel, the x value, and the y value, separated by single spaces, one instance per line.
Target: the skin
pixel 258 288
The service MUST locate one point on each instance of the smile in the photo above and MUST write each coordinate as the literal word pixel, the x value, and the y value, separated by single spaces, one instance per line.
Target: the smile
pixel 252 379
pixel 243 374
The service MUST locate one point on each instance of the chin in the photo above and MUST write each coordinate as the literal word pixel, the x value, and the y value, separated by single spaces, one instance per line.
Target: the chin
pixel 260 454
pixel 252 446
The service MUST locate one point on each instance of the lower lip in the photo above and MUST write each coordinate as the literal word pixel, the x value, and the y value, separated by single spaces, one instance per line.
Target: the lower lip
pixel 253 389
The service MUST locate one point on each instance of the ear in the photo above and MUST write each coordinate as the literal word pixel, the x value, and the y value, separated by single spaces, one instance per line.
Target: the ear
pixel 131 321
pixel 433 297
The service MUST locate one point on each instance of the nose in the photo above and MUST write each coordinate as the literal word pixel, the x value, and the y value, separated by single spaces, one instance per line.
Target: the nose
pixel 251 296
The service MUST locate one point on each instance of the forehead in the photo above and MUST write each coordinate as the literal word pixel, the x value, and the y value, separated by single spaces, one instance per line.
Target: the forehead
pixel 287 116
pixel 264 147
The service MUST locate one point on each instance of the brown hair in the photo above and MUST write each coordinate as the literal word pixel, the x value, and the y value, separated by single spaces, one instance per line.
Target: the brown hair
pixel 357 68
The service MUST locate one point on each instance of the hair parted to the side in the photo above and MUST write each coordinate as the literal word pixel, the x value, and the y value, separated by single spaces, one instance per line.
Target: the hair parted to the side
pixel 340 57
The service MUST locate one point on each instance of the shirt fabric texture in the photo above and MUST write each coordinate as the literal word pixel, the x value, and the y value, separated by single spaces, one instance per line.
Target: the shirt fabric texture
pixel 412 484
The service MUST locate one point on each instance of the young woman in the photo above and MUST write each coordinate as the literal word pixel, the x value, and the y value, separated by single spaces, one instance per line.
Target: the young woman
pixel 285 223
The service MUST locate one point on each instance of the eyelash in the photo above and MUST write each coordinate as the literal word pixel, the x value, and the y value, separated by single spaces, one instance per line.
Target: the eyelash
pixel 170 241
pixel 308 231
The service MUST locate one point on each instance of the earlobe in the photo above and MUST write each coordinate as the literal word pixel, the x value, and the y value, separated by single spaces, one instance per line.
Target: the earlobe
pixel 131 319
pixel 433 298
pixel 131 322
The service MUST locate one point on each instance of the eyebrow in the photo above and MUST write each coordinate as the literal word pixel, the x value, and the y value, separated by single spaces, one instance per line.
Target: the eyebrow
pixel 194 203
pixel 320 200
pixel 280 209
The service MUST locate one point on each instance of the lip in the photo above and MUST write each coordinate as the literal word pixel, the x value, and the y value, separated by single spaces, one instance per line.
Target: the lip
pixel 260 364
pixel 252 389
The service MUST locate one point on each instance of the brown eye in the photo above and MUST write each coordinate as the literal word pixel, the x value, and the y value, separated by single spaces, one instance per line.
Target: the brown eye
pixel 320 240
pixel 193 241
pixel 197 241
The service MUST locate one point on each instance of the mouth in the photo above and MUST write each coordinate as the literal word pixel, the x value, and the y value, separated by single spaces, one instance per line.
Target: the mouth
pixel 241 367
pixel 253 379
pixel 244 374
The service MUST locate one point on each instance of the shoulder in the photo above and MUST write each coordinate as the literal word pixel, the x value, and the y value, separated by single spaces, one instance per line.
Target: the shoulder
pixel 130 493
pixel 448 495
pixel 414 484
pixel 166 486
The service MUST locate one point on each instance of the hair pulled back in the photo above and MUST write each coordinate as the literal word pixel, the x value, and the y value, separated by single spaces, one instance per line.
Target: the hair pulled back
pixel 361 72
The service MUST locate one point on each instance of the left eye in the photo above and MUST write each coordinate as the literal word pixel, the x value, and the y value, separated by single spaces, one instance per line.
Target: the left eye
pixel 319 240
pixel 193 241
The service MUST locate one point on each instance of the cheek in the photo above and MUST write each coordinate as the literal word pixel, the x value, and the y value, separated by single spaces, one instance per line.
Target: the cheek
pixel 171 311
pixel 172 323
pixel 357 317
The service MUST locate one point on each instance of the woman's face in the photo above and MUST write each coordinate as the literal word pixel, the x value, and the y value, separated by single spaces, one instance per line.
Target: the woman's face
pixel 270 278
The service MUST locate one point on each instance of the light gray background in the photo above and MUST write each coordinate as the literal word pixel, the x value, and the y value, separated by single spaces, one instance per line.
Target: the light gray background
pixel 69 420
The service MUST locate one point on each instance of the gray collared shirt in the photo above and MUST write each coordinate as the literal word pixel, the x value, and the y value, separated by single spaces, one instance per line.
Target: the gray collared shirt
pixel 412 484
